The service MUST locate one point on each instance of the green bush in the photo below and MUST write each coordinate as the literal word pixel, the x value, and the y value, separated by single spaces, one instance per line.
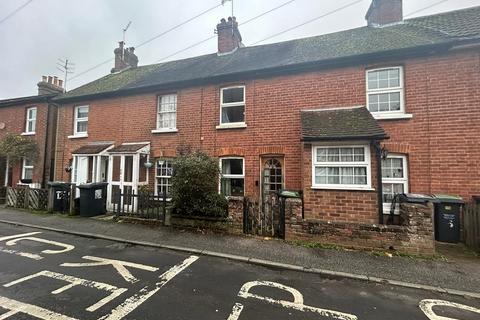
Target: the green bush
pixel 195 186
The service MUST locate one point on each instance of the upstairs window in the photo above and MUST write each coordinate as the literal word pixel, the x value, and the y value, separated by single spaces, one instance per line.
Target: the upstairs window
pixel 167 112
pixel 232 105
pixel 385 93
pixel 233 176
pixel 31 122
pixel 81 120
pixel 342 167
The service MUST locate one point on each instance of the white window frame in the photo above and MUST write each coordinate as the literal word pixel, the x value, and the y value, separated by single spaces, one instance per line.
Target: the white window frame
pixel 29 120
pixel 240 124
pixel 160 129
pixel 366 163
pixel 400 89
pixel 157 176
pixel 77 120
pixel 232 176
pixel 24 166
pixel 404 180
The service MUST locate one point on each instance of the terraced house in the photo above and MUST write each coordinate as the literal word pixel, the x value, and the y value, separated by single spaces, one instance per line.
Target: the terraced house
pixel 349 118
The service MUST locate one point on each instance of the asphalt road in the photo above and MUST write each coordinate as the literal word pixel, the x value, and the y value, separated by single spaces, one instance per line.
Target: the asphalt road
pixel 47 275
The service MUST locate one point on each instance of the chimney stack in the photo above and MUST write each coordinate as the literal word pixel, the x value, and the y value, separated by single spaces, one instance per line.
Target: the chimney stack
pixel 49 85
pixel 383 12
pixel 124 57
pixel 229 38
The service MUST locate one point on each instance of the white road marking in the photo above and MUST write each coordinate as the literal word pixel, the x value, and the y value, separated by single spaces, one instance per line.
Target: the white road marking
pixel 427 307
pixel 236 310
pixel 19 235
pixel 22 254
pixel 15 307
pixel 67 247
pixel 297 303
pixel 145 293
pixel 74 281
pixel 119 265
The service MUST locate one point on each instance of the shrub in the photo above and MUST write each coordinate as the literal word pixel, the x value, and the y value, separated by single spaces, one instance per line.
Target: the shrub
pixel 17 147
pixel 195 186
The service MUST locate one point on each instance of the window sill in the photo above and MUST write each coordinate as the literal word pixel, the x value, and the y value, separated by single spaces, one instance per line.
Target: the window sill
pixel 392 116
pixel 345 188
pixel 78 136
pixel 237 125
pixel 164 130
pixel 27 133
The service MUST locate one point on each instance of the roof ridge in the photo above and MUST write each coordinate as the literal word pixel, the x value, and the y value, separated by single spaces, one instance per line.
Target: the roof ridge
pixel 442 13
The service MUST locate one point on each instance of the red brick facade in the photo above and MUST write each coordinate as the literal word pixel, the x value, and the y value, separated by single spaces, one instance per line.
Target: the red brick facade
pixel 441 139
pixel 14 117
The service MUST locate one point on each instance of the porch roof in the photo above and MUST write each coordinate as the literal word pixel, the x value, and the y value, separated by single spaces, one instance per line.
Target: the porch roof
pixel 92 148
pixel 346 123
pixel 128 148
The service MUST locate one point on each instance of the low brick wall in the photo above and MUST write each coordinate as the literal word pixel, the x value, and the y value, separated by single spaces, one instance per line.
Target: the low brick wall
pixel 415 236
pixel 233 223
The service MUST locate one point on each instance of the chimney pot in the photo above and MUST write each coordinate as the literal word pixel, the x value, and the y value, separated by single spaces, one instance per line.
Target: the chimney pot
pixel 50 85
pixel 124 57
pixel 60 83
pixel 44 78
pixel 229 37
pixel 382 12
pixel 50 79
pixel 55 80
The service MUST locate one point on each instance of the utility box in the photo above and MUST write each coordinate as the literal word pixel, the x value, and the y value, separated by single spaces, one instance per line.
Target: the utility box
pixel 92 199
pixel 447 218
pixel 60 193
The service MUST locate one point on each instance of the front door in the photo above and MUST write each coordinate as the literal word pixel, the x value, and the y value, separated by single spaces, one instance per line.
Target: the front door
pixel 122 181
pixel 272 181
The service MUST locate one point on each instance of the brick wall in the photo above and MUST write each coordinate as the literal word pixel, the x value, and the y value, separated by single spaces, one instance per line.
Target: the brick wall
pixel 441 140
pixel 415 236
pixel 14 118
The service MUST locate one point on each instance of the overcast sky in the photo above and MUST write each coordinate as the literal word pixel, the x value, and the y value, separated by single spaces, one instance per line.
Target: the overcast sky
pixel 87 31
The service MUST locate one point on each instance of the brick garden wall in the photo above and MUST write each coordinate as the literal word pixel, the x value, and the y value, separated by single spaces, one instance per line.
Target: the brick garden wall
pixel 415 235
pixel 441 140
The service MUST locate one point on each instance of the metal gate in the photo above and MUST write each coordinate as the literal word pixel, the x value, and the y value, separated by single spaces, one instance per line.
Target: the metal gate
pixel 265 218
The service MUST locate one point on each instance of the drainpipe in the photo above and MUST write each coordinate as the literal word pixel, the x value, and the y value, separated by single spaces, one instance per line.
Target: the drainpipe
pixel 6 172
pixel 378 154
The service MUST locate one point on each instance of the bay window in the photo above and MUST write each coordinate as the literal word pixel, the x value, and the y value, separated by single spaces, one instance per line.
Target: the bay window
pixel 341 167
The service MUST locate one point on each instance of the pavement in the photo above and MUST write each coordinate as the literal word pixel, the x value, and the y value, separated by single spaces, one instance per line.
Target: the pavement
pixel 58 276
pixel 455 276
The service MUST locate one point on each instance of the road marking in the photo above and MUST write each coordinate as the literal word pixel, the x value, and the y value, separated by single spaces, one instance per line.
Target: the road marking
pixel 119 265
pixel 18 235
pixel 145 293
pixel 67 247
pixel 297 303
pixel 22 254
pixel 15 307
pixel 236 310
pixel 427 307
pixel 74 281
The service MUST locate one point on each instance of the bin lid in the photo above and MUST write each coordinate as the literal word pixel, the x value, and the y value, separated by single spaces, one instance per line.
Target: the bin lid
pixel 289 194
pixel 448 198
pixel 93 185
pixel 59 184
pixel 417 198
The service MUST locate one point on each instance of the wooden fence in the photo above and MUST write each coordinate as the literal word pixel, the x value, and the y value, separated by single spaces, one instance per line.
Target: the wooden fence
pixel 27 198
pixel 472 225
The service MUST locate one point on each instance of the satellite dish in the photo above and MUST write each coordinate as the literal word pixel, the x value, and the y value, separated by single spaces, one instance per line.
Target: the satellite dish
pixel 2 125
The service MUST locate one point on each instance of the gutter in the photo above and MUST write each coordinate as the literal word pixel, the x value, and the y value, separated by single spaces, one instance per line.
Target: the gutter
pixel 24 100
pixel 275 71
pixel 345 138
